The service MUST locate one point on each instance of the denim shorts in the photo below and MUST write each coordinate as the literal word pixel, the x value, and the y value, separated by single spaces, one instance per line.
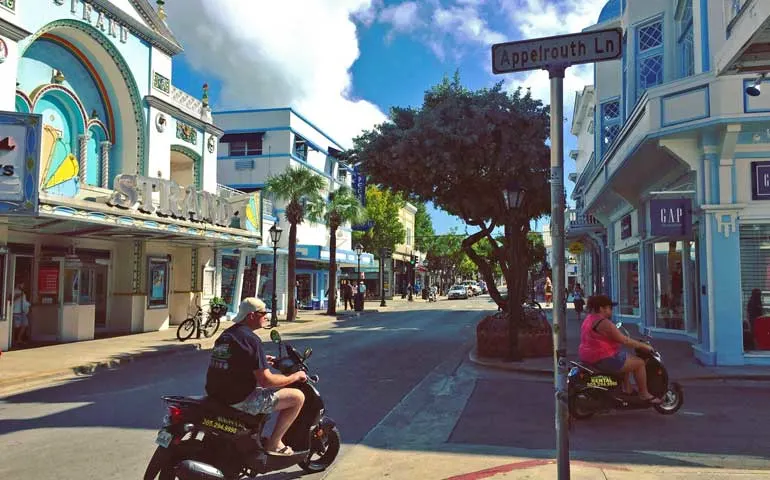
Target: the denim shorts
pixel 613 364
pixel 261 401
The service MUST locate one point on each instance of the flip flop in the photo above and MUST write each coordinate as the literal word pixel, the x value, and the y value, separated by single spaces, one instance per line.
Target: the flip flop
pixel 653 401
pixel 286 451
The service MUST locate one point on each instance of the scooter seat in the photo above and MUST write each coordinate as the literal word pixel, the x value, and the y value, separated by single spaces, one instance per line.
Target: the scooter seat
pixel 595 369
pixel 215 406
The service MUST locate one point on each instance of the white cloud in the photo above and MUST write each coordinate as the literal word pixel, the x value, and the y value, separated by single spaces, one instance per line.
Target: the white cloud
pixel 404 17
pixel 269 54
pixel 542 18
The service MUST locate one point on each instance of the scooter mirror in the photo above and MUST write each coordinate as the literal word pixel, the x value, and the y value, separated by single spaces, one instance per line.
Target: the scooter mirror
pixel 619 324
pixel 308 352
pixel 275 336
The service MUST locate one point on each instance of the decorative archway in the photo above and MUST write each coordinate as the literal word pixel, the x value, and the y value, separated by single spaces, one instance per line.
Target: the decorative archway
pixel 60 28
pixel 23 103
pixel 197 160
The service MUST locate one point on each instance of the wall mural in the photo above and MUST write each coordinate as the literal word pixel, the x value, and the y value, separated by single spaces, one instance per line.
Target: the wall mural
pixel 253 218
pixel 60 169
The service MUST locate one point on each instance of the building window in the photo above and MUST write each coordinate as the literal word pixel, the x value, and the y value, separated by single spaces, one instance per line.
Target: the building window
pixel 684 42
pixel 329 168
pixel 649 64
pixel 157 282
pixel 342 175
pixel 244 144
pixel 668 282
pixel 244 164
pixel 755 285
pixel 628 277
pixel 300 148
pixel 408 237
pixel 610 124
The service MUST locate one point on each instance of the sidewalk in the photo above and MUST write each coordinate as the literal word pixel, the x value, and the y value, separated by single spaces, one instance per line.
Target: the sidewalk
pixel 677 355
pixel 37 366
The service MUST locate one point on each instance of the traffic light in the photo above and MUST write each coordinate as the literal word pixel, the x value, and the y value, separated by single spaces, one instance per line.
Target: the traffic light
pixel 413 260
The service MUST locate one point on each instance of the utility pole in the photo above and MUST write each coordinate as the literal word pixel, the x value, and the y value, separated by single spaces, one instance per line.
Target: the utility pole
pixel 565 51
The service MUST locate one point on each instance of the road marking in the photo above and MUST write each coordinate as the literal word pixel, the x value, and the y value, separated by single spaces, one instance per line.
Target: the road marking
pixel 694 414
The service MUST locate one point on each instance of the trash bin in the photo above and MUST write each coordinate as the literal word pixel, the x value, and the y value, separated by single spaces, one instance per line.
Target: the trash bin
pixel 359 302
pixel 316 304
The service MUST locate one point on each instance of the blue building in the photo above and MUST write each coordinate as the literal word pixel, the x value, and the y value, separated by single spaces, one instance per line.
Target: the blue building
pixel 673 174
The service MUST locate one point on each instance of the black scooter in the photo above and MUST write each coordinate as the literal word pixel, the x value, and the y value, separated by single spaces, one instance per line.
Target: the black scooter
pixel 202 439
pixel 592 391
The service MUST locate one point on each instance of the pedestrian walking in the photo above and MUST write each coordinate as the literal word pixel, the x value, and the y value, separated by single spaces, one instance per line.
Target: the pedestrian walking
pixel 578 301
pixel 347 295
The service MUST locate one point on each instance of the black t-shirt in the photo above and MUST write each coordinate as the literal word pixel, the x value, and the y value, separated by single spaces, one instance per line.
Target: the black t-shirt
pixel 236 354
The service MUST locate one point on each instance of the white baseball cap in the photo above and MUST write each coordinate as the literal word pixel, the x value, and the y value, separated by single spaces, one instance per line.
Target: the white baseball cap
pixel 247 306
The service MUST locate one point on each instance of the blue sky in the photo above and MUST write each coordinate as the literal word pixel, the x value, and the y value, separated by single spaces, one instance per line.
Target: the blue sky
pixel 344 63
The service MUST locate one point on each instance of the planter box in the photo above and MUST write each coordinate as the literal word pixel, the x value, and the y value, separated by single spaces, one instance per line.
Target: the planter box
pixel 535 336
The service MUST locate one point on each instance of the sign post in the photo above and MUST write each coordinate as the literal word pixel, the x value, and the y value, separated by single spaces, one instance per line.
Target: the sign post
pixel 556 54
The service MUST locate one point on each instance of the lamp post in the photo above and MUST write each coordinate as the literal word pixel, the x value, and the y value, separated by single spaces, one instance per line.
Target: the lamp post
pixel 383 258
pixel 359 251
pixel 275 237
pixel 513 195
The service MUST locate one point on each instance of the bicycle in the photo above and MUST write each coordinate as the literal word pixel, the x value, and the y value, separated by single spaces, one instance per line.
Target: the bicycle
pixel 195 323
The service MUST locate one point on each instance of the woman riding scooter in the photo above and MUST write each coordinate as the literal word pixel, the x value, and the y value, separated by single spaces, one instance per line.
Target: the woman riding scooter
pixel 601 342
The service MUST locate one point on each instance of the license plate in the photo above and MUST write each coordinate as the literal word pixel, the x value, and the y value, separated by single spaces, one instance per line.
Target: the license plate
pixel 164 439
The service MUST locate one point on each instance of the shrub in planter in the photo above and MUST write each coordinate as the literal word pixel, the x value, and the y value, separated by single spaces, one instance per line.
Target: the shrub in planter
pixel 217 307
pixel 535 335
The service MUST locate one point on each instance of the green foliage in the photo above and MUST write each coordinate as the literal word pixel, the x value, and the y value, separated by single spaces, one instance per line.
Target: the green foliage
pixel 343 207
pixel 382 209
pixel 460 150
pixel 536 251
pixel 301 188
pixel 423 228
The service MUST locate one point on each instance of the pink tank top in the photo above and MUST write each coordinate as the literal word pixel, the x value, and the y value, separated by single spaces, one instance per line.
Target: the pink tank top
pixel 593 345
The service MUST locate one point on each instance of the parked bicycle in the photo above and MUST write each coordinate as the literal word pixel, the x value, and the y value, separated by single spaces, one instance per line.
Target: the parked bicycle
pixel 196 323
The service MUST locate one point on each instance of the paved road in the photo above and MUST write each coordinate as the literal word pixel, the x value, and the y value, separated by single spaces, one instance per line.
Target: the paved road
pixel 103 427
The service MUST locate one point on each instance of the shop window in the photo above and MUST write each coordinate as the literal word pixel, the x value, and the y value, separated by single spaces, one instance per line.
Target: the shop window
pixel 71 286
pixel 628 276
pixel 610 119
pixel 229 277
pixel 668 282
pixel 209 280
pixel 684 41
pixel 244 144
pixel 649 62
pixel 755 285
pixel 157 282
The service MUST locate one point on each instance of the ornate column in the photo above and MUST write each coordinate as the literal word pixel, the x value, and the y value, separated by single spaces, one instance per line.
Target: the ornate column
pixel 83 157
pixel 105 159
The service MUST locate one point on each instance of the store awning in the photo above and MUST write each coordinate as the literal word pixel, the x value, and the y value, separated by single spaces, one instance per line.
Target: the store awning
pixel 79 218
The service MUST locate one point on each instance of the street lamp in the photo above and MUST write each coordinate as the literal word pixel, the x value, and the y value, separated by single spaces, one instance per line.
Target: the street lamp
pixel 513 195
pixel 275 237
pixel 359 250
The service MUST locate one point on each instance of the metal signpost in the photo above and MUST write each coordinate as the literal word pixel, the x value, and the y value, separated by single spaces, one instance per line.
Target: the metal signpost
pixel 555 54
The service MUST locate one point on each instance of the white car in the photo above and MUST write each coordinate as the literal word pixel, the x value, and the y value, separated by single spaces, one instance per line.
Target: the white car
pixel 458 291
pixel 474 286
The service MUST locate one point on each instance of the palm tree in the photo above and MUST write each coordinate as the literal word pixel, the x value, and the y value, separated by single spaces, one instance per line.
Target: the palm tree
pixel 301 188
pixel 343 207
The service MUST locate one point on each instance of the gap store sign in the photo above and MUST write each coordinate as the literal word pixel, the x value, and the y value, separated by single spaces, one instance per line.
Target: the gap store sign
pixel 671 217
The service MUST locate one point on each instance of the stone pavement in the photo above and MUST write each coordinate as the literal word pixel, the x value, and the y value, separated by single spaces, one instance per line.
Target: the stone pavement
pixel 33 367
pixel 677 355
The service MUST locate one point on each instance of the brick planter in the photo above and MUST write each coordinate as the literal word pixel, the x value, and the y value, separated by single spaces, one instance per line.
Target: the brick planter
pixel 535 336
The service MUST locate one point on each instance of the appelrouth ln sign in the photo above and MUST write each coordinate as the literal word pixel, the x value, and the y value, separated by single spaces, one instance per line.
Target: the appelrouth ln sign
pixel 563 50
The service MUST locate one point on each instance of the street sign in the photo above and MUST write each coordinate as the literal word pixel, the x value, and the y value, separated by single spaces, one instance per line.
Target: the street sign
pixel 561 50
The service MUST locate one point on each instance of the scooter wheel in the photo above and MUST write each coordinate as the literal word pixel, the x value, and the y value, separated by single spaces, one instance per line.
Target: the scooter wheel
pixel 326 457
pixel 577 409
pixel 673 400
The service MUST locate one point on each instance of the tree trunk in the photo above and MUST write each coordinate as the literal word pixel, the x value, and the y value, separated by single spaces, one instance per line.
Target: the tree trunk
pixel 331 309
pixel 292 274
pixel 516 279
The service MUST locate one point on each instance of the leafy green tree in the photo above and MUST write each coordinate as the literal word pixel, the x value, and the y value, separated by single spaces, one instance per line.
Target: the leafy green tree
pixel 382 209
pixel 301 189
pixel 468 147
pixel 423 228
pixel 343 207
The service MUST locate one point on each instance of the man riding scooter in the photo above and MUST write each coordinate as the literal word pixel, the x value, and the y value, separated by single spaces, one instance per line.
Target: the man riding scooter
pixel 239 375
pixel 601 342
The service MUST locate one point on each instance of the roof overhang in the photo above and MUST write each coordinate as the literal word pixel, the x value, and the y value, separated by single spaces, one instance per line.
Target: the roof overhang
pixel 747 48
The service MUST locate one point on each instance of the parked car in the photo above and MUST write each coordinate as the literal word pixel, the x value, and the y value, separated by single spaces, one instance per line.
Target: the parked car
pixel 474 287
pixel 458 291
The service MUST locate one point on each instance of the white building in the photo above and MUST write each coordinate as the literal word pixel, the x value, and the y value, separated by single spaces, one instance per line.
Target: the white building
pixel 264 142
pixel 680 173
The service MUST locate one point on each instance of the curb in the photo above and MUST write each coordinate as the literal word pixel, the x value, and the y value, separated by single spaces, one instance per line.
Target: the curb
pixel 33 380
pixel 521 368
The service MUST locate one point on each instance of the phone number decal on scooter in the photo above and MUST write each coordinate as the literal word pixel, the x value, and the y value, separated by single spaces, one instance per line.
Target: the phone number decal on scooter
pixel 207 422
pixel 602 382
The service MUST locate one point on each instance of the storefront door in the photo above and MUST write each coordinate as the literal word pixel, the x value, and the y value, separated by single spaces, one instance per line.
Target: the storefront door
pixel 20 294
pixel 100 295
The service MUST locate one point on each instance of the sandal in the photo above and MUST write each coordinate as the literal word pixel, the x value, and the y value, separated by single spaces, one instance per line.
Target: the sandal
pixel 653 400
pixel 286 451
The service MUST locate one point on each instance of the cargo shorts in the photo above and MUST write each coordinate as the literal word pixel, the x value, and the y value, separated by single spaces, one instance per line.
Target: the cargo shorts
pixel 261 401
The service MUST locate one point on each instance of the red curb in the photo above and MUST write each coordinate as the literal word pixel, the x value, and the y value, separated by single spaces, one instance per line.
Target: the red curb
pixel 491 472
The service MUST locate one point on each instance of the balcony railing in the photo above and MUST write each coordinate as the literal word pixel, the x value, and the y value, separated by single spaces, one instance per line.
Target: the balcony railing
pixel 575 219
pixel 225 191
pixel 588 171
pixel 186 102
pixel 733 8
